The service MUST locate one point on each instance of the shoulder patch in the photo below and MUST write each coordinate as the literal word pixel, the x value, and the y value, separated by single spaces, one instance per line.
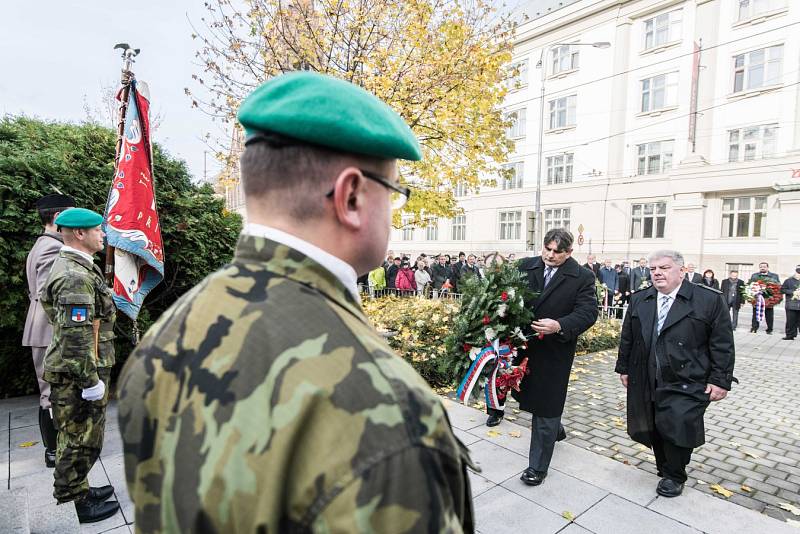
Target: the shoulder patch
pixel 78 314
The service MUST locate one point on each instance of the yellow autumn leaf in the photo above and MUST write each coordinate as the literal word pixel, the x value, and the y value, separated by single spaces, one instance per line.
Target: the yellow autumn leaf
pixel 26 444
pixel 515 434
pixel 716 488
pixel 748 489
pixel 569 516
pixel 494 433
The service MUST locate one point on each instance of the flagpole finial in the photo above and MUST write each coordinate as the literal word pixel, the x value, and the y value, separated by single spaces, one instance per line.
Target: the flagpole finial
pixel 128 54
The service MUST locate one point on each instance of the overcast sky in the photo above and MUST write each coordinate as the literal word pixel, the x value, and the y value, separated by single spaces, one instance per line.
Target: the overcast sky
pixel 56 55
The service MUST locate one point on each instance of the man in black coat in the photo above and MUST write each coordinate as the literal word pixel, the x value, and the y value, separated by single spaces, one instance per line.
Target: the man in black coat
pixel 769 311
pixel 732 292
pixel 565 307
pixel 592 265
pixel 692 276
pixel 639 275
pixel 790 285
pixel 676 356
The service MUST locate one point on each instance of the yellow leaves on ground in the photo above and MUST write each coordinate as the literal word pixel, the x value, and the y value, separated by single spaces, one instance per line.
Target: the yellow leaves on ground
pixel 569 516
pixel 494 434
pixel 515 434
pixel 789 508
pixel 748 489
pixel 27 444
pixel 716 488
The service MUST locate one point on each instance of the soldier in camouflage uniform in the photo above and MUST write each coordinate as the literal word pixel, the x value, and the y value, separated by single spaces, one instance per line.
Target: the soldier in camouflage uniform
pixel 78 361
pixel 263 400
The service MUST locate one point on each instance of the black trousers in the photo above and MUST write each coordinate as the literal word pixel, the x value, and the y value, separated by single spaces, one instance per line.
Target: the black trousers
pixel 769 315
pixel 792 323
pixel 544 432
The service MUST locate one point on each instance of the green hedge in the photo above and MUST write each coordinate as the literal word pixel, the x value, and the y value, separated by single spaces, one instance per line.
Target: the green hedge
pixel 38 157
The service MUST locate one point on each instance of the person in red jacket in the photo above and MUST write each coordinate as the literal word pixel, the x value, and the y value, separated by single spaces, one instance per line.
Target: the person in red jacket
pixel 405 279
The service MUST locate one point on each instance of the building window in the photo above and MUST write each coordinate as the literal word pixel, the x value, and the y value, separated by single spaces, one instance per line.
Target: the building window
pixel 459 228
pixel 564 58
pixel 512 175
pixel 744 216
pixel 752 8
pixel 460 190
pixel 756 142
pixel 518 75
pixel 662 29
pixel 510 224
pixel 648 220
pixel 759 68
pixel 517 127
pixel 408 231
pixel 660 92
pixel 562 112
pixel 654 158
pixel 556 218
pixel 745 270
pixel 559 169
pixel 432 230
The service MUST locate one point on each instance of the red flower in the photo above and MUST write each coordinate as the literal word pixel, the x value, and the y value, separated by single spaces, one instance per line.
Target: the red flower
pixel 467 347
pixel 541 335
pixel 486 319
pixel 504 296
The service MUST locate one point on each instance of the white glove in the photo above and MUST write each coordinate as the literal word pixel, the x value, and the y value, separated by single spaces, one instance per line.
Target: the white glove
pixel 95 392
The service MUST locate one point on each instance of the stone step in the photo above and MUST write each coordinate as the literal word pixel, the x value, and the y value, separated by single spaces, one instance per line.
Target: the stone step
pixel 14 511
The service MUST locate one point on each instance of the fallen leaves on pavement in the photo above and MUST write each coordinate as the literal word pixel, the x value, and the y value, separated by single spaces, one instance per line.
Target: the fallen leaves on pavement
pixel 26 444
pixel 789 508
pixel 716 488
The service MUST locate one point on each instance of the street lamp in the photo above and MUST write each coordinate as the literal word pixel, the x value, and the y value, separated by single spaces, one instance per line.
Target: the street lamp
pixel 538 236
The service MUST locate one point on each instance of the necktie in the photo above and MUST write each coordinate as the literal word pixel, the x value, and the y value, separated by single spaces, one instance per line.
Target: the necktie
pixel 663 309
pixel 548 274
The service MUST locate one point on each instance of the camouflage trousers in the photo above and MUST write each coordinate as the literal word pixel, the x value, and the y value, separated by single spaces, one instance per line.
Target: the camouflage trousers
pixel 81 426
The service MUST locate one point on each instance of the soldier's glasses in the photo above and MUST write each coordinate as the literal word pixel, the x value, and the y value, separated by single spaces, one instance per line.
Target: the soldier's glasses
pixel 400 193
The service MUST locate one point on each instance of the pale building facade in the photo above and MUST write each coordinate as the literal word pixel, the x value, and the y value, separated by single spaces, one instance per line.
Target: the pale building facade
pixel 627 162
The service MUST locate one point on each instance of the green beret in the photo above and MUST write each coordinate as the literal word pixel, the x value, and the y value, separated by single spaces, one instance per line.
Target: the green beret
pixel 325 111
pixel 78 218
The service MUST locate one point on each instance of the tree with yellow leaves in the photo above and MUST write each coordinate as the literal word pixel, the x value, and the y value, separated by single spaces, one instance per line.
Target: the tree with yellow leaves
pixel 438 63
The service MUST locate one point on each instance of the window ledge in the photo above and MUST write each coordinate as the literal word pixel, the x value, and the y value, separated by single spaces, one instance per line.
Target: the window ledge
pixel 561 130
pixel 657 112
pixel 517 88
pixel 741 95
pixel 761 17
pixel 660 48
pixel 561 74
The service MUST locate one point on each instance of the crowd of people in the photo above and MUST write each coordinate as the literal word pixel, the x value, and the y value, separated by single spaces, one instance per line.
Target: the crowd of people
pixel 438 275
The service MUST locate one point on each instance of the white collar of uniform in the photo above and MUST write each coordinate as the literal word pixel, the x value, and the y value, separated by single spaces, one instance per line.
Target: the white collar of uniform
pixel 340 268
pixel 671 294
pixel 68 248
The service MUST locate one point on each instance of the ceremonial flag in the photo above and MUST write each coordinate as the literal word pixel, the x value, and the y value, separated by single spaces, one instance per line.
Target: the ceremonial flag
pixel 131 220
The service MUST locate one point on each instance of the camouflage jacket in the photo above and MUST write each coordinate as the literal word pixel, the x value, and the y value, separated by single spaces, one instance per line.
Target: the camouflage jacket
pixel 263 401
pixel 81 310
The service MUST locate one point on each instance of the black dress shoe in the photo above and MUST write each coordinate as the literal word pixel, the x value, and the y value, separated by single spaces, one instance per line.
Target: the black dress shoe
pixel 669 488
pixel 769 332
pixel 494 419
pixel 101 494
pixel 90 511
pixel 562 434
pixel 49 458
pixel 787 338
pixel 533 478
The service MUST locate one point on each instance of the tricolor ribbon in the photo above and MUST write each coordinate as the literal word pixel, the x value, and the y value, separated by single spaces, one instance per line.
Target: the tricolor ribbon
pixel 500 354
pixel 760 306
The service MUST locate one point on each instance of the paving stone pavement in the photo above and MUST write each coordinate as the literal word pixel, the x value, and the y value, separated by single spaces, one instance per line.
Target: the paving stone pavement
pixel 752 437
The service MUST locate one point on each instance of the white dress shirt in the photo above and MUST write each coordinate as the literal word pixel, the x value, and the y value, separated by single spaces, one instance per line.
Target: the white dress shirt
pixel 339 268
pixel 672 294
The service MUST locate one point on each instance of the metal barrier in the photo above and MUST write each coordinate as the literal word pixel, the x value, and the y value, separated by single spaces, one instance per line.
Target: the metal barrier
pixel 429 293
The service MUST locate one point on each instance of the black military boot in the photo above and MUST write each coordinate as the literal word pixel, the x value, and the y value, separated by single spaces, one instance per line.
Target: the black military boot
pixel 101 493
pixel 91 511
pixel 49 437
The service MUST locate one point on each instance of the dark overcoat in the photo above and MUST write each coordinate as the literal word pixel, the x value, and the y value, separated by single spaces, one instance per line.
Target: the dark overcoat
pixel 696 343
pixel 570 299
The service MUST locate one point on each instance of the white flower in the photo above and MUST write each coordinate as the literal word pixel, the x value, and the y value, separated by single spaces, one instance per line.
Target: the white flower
pixel 521 301
pixel 490 334
pixel 473 353
pixel 519 334
pixel 420 323
pixel 501 310
pixel 512 293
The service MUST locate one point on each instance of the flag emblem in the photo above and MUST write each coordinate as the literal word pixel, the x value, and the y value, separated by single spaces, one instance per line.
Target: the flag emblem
pixel 78 314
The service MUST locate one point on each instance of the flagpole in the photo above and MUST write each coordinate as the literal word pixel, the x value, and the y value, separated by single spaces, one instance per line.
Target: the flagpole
pixel 126 77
